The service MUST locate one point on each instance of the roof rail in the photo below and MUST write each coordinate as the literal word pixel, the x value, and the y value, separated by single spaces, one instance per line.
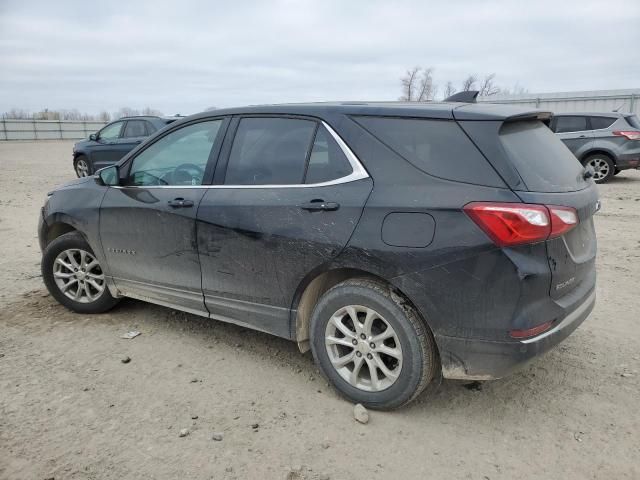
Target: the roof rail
pixel 463 97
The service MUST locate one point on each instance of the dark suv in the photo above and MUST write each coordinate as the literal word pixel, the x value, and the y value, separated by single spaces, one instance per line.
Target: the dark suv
pixel 113 142
pixel 607 142
pixel 399 242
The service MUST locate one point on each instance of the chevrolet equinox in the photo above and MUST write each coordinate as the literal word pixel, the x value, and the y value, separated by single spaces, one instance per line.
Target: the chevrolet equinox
pixel 400 243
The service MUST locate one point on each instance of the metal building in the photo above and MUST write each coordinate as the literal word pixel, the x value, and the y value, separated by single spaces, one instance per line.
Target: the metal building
pixel 624 101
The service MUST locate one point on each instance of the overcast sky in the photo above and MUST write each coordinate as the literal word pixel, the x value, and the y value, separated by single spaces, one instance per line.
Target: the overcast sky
pixel 183 56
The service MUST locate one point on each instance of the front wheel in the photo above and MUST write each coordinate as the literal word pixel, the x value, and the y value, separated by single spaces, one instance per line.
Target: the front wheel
pixel 372 345
pixel 603 167
pixel 74 277
pixel 81 166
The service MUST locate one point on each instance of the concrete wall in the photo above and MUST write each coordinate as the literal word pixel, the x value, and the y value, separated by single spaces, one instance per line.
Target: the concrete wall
pixel 627 101
pixel 47 129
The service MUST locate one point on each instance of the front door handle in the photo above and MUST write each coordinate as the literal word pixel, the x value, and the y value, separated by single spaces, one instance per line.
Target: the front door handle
pixel 318 205
pixel 180 203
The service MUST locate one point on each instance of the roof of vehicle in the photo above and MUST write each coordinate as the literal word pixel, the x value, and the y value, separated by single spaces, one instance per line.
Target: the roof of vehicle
pixel 148 117
pixel 593 114
pixel 444 110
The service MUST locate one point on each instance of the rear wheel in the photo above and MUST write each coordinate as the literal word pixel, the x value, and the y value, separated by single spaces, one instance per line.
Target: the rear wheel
pixel 372 345
pixel 74 277
pixel 81 166
pixel 602 165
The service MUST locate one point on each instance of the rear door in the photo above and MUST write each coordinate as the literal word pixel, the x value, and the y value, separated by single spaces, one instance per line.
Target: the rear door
pixel 134 132
pixel 286 199
pixel 574 131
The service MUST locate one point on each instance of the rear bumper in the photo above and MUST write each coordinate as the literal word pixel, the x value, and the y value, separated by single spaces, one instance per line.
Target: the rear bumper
pixel 469 359
pixel 628 160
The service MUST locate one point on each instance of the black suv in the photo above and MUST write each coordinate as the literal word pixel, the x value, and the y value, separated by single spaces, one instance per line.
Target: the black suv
pixel 113 142
pixel 399 242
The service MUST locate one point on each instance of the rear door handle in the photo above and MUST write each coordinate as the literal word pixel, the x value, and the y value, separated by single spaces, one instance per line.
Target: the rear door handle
pixel 180 203
pixel 318 205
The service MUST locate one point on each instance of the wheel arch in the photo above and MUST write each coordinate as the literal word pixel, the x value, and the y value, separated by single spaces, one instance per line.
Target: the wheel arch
pixel 598 151
pixel 314 286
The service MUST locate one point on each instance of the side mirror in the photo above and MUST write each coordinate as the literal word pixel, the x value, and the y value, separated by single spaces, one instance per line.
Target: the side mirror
pixel 94 137
pixel 109 176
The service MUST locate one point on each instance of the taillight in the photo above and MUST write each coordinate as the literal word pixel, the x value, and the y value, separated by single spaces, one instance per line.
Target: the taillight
pixel 630 134
pixel 563 219
pixel 509 224
pixel 531 332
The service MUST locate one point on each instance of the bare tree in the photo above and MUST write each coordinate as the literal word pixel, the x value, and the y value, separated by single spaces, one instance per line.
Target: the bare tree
pixel 469 83
pixel 18 114
pixel 126 112
pixel 409 84
pixel 104 116
pixel 418 86
pixel 151 111
pixel 449 89
pixel 487 87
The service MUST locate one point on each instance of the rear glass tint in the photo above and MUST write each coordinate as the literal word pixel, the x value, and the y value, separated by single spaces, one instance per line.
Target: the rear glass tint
pixel 437 147
pixel 542 160
pixel 571 124
pixel 598 123
pixel 633 121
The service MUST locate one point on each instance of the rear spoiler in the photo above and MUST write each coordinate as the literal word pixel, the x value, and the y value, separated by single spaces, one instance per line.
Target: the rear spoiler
pixel 544 117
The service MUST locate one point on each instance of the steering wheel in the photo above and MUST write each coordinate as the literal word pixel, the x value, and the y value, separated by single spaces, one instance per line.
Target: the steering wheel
pixel 188 174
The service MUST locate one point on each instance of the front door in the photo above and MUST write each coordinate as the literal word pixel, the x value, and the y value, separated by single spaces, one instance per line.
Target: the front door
pixel 291 197
pixel 107 149
pixel 147 225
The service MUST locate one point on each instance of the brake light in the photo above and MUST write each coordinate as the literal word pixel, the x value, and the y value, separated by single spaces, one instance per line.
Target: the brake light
pixel 509 224
pixel 630 134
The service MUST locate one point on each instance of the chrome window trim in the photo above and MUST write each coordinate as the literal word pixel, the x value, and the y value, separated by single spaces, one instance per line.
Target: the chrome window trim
pixel 358 173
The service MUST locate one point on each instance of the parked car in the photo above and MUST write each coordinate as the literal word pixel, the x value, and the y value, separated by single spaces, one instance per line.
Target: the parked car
pixel 401 243
pixel 113 142
pixel 608 142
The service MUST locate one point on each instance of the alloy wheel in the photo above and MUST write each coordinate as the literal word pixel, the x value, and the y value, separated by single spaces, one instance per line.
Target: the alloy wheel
pixel 600 168
pixel 363 348
pixel 78 275
pixel 82 168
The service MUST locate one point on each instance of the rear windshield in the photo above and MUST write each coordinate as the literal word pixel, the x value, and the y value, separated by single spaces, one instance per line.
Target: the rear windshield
pixel 633 121
pixel 542 160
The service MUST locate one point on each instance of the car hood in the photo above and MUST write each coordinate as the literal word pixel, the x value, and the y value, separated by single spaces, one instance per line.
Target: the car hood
pixel 73 183
pixel 82 143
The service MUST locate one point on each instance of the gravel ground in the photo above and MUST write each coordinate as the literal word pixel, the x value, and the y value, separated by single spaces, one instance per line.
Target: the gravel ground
pixel 69 407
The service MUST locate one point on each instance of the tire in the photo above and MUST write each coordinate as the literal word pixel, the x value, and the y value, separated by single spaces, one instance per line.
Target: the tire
pixel 62 264
pixel 602 165
pixel 413 365
pixel 82 166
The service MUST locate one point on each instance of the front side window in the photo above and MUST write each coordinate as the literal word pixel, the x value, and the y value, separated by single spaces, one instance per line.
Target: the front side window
pixel 571 124
pixel 111 132
pixel 135 128
pixel 327 160
pixel 269 151
pixel 179 158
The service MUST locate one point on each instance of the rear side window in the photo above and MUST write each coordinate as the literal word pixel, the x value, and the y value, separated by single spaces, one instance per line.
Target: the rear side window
pixel 633 121
pixel 135 128
pixel 542 160
pixel 269 151
pixel 437 147
pixel 327 160
pixel 571 124
pixel 598 123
